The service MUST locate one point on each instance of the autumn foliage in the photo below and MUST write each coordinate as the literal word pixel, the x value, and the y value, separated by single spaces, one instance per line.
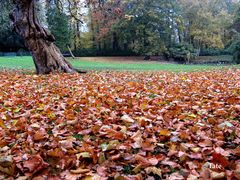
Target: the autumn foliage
pixel 122 125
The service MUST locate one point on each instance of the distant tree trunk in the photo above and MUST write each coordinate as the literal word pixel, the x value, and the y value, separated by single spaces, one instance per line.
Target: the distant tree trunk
pixel 78 34
pixel 115 45
pixel 92 28
pixel 70 51
pixel 46 55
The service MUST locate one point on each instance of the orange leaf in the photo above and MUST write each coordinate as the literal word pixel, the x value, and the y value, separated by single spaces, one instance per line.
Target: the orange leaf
pixel 56 153
pixel 2 125
pixel 164 132
pixel 39 135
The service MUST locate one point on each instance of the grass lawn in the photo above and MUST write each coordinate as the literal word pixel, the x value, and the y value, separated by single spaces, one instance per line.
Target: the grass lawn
pixel 26 62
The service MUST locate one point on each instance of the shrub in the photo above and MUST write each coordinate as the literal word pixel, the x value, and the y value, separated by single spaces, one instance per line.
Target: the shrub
pixel 215 52
pixel 236 53
pixel 234 49
pixel 22 52
pixel 181 52
pixel 85 52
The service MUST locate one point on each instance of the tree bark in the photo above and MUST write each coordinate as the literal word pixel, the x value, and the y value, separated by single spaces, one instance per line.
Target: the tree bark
pixel 115 45
pixel 40 42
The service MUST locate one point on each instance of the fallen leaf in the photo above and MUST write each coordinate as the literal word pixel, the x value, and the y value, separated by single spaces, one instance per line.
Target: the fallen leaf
pixel 127 119
pixel 154 170
pixel 164 132
pixel 56 153
pixel 32 164
pixel 220 159
pixel 80 171
pixel 216 175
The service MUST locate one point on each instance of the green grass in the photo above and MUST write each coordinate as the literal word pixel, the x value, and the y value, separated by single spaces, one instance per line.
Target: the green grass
pixel 26 63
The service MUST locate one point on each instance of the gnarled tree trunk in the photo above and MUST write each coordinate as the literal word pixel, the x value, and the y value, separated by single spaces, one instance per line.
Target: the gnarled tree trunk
pixel 46 55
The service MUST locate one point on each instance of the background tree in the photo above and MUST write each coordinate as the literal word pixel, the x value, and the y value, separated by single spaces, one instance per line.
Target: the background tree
pixel 176 29
pixel 206 22
pixel 59 25
pixel 164 27
pixel 235 46
pixel 9 41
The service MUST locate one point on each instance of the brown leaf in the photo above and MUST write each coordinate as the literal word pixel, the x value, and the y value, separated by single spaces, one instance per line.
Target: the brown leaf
pixel 80 171
pixel 154 170
pixel 31 164
pixel 40 135
pixel 56 153
pixel 114 134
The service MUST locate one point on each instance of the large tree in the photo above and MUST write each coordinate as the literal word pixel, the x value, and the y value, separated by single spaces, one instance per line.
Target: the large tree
pixel 40 42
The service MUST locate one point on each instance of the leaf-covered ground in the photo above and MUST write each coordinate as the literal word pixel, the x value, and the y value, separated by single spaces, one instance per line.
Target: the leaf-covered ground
pixel 119 125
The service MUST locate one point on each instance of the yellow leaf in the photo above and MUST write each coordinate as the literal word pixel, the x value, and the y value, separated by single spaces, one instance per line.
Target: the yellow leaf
pixel 84 155
pixel 41 107
pixel 123 129
pixel 137 169
pixel 164 132
pixel 17 110
pixel 15 122
pixel 192 115
pixel 94 177
pixel 143 105
pixel 195 149
pixel 2 125
pixel 51 116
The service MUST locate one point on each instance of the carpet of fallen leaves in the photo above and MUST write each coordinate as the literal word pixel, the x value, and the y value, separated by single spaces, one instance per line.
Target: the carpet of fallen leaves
pixel 120 125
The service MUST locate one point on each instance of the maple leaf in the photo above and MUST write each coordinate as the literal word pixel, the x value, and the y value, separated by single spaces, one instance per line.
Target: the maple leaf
pixel 220 159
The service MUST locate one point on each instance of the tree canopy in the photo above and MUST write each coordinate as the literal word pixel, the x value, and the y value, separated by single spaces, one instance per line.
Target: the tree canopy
pixel 178 29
